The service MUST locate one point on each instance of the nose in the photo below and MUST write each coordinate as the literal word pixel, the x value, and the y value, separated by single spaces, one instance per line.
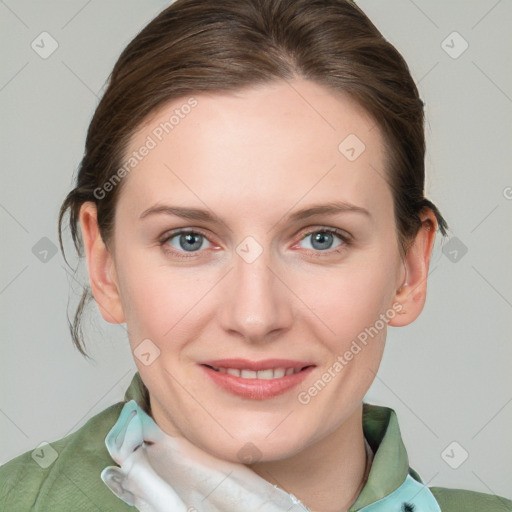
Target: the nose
pixel 255 303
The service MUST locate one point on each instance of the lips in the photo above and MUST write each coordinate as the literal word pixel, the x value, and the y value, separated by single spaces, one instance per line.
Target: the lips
pixel 257 380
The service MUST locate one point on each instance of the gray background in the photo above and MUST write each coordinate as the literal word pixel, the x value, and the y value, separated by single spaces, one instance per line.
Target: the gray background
pixel 447 375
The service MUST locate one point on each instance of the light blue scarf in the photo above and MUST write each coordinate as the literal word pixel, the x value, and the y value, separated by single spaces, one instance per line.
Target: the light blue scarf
pixel 161 473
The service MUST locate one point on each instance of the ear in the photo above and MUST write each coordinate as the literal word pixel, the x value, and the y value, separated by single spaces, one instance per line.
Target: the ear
pixel 412 293
pixel 100 264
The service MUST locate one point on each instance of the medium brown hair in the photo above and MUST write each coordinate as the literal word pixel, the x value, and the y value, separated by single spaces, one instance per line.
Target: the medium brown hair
pixel 195 46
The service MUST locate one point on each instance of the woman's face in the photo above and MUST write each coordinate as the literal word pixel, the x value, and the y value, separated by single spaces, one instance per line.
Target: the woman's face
pixel 253 279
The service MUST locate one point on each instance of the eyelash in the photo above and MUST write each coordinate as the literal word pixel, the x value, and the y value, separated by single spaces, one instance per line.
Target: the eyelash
pixel 345 238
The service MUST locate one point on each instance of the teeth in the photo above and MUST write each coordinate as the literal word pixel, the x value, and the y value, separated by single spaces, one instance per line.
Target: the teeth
pixel 275 373
pixel 279 372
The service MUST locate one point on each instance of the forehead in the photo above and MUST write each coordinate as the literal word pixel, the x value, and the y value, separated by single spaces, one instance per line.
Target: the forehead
pixel 275 144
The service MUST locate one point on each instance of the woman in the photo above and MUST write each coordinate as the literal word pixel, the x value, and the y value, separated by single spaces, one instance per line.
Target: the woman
pixel 251 205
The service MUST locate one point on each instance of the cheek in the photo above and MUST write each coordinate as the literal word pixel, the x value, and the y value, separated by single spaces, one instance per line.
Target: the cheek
pixel 348 299
pixel 160 302
pixel 144 293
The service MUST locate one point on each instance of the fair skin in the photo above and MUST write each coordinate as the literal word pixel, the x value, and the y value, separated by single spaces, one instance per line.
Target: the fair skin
pixel 252 158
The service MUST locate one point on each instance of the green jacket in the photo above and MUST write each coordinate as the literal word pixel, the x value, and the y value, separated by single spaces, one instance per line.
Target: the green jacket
pixel 65 475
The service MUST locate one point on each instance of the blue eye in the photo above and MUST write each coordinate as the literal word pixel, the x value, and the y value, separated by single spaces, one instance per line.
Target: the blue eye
pixel 185 241
pixel 321 240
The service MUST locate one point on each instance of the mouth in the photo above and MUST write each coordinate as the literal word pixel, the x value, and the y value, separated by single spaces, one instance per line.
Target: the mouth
pixel 257 380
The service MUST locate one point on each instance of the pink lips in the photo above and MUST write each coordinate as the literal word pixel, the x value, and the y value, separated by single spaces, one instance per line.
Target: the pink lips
pixel 257 388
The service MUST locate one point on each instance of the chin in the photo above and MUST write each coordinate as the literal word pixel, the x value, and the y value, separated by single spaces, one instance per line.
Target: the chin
pixel 252 450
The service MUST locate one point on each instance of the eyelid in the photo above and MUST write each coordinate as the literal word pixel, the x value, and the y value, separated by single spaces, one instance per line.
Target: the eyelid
pixel 344 235
pixel 165 237
pixel 178 231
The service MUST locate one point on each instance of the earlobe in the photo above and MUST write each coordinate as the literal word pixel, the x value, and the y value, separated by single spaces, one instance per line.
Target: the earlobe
pixel 411 294
pixel 100 264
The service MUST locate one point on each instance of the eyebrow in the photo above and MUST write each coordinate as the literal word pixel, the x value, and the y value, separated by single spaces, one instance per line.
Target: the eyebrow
pixel 331 208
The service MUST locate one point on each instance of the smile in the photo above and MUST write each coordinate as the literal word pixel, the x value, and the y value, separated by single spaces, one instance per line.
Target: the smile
pixel 257 380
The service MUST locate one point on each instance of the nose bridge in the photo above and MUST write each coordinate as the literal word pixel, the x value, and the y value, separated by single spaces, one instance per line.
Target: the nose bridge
pixel 255 301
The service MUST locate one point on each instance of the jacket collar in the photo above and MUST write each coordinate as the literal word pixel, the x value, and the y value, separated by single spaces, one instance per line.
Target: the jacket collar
pixel 390 464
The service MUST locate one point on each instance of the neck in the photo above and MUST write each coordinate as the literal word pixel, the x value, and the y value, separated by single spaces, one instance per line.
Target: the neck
pixel 327 476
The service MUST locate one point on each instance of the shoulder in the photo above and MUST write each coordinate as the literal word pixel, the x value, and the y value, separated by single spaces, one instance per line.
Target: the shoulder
pixel 64 472
pixel 459 500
